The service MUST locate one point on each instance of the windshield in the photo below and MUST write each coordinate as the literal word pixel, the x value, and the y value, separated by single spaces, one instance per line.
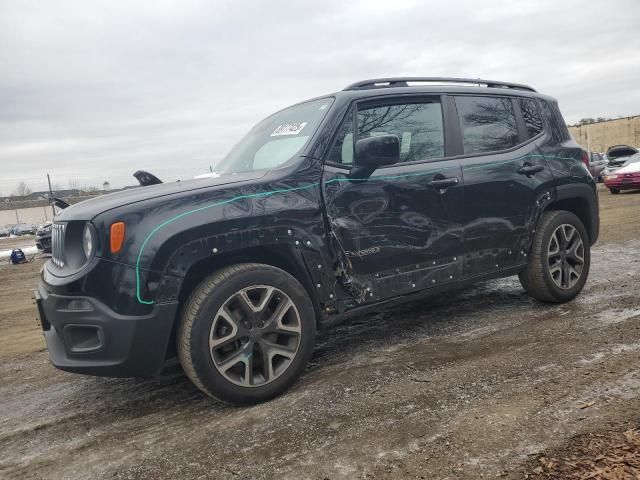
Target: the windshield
pixel 276 139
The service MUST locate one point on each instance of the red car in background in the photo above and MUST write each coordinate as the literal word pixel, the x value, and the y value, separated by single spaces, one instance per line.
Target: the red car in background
pixel 625 178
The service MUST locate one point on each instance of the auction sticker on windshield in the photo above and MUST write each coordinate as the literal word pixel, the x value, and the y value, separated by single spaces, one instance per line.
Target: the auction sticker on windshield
pixel 289 129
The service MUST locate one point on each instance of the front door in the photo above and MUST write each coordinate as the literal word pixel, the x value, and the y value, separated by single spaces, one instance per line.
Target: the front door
pixel 399 229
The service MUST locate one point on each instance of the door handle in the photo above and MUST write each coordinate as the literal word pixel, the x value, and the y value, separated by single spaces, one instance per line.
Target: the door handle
pixel 444 182
pixel 528 169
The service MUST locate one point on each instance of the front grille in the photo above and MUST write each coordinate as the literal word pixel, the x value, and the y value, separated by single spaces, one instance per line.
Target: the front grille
pixel 57 244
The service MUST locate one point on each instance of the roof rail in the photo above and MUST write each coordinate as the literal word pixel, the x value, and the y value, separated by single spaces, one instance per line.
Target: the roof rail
pixel 404 82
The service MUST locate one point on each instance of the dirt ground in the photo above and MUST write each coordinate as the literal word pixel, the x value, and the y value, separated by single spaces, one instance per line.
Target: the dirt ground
pixel 480 384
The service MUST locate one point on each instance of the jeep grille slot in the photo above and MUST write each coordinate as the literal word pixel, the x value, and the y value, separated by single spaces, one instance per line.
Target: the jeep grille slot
pixel 57 244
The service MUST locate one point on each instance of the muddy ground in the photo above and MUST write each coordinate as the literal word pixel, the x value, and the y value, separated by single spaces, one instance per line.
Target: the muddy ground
pixel 465 386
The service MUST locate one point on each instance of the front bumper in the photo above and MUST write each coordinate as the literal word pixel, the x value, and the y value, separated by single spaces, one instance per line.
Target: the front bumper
pixel 84 335
pixel 44 243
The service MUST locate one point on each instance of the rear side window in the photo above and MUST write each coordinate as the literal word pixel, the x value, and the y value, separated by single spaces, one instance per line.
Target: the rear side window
pixel 531 115
pixel 488 124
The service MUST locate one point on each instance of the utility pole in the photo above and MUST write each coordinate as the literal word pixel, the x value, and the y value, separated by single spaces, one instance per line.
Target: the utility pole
pixel 51 197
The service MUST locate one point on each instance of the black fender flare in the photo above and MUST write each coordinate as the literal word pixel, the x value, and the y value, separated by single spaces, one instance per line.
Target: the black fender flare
pixel 585 193
pixel 308 253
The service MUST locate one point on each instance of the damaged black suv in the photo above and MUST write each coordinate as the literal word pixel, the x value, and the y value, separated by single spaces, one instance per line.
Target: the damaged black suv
pixel 389 190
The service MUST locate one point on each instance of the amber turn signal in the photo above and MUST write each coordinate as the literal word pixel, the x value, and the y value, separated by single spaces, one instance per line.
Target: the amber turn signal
pixel 117 236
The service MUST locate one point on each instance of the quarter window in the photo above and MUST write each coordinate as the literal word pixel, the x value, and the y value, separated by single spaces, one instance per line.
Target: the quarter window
pixel 488 123
pixel 342 148
pixel 531 115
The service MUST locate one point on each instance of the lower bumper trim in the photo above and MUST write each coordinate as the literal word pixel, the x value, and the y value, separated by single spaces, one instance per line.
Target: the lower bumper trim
pixel 102 342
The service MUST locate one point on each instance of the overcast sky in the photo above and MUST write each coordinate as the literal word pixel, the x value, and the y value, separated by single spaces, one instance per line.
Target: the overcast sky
pixel 93 91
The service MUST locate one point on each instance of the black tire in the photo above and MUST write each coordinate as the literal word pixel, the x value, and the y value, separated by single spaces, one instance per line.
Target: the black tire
pixel 537 278
pixel 614 190
pixel 204 307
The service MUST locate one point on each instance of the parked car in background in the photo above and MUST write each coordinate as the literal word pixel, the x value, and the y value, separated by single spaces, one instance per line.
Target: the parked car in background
pixel 617 157
pixel 43 237
pixel 626 177
pixel 4 232
pixel 597 164
pixel 616 164
pixel 23 229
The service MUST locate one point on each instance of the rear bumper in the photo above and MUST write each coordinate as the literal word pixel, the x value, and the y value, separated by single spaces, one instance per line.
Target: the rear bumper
pixel 85 336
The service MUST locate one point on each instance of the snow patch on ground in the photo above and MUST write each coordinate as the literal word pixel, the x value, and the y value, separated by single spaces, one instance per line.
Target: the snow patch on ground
pixel 27 251
pixel 616 315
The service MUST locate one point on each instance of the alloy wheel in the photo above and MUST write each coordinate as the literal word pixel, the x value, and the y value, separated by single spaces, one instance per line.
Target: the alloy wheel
pixel 255 336
pixel 565 256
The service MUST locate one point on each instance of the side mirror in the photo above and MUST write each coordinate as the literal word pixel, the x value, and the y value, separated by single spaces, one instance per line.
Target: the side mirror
pixel 375 152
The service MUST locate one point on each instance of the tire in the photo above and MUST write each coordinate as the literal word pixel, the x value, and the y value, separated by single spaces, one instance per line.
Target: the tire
pixel 541 278
pixel 255 347
pixel 614 190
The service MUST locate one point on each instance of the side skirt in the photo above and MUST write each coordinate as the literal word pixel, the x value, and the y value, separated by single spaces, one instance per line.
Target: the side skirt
pixel 329 321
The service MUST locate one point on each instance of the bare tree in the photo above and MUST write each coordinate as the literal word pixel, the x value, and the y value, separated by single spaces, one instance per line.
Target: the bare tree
pixel 73 184
pixel 22 190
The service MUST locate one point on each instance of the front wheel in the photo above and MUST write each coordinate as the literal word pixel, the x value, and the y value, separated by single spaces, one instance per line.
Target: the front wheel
pixel 560 257
pixel 614 190
pixel 246 333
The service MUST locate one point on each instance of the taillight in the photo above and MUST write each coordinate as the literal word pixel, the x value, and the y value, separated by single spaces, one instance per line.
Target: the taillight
pixel 585 158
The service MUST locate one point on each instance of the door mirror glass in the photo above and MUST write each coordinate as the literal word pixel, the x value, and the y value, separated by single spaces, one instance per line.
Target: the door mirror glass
pixel 378 151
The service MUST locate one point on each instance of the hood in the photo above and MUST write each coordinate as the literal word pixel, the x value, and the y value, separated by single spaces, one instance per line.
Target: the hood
pixel 88 209
pixel 631 168
pixel 620 151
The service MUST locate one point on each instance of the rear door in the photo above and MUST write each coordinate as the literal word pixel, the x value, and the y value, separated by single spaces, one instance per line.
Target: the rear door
pixel 399 229
pixel 505 178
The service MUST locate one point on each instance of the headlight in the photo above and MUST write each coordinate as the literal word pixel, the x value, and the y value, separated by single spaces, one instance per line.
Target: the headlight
pixel 612 177
pixel 87 241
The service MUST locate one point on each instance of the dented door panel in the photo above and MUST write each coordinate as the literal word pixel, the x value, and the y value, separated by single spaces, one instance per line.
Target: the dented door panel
pixel 397 231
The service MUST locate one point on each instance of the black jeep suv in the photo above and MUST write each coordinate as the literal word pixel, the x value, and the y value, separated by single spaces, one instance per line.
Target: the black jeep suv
pixel 389 190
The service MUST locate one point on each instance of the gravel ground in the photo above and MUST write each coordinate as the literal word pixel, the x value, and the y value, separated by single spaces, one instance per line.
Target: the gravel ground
pixel 464 386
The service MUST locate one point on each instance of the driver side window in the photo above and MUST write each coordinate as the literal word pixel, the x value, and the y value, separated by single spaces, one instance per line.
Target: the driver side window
pixel 419 127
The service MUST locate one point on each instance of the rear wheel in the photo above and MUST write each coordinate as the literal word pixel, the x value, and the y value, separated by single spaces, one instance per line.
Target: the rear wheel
pixel 246 333
pixel 560 258
pixel 614 190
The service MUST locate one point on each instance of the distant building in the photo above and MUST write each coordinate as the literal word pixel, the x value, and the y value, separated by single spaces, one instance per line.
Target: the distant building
pixel 106 186
pixel 599 136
